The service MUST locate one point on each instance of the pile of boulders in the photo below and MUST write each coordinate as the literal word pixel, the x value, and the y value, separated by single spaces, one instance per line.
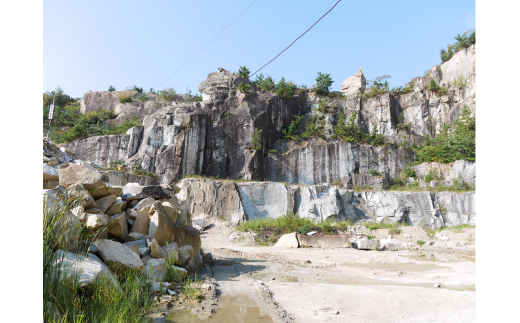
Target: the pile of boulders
pixel 135 228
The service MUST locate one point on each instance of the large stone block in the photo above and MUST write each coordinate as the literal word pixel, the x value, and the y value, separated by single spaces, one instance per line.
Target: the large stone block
pixel 118 257
pixel 263 199
pixel 288 241
pixel 133 191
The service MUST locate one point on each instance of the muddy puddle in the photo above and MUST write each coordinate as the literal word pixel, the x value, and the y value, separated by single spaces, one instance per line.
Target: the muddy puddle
pixel 236 308
pixel 398 266
pixel 347 280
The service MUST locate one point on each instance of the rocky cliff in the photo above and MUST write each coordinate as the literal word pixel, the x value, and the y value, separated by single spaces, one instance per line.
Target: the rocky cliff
pixel 214 137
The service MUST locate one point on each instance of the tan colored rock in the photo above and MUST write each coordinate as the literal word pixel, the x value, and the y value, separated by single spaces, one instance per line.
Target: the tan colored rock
pixel 161 229
pixel 156 251
pixel 116 207
pixel 95 220
pixel 105 202
pixel 288 241
pixel 131 214
pixel 188 236
pixel 354 85
pixel 170 211
pixel 142 222
pixel 189 249
pixel 135 248
pixel 85 199
pixel 50 184
pixel 71 174
pixel 118 225
pixel 178 273
pixel 79 212
pixel 118 257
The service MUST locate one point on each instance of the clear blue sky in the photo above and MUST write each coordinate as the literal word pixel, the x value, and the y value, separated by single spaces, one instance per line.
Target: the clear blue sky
pixel 122 43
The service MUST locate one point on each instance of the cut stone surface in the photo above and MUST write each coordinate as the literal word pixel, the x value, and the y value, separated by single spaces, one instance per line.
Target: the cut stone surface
pixel 142 222
pixel 161 229
pixel 135 248
pixel 288 241
pixel 50 173
pixel 85 199
pixel 199 222
pixel 116 207
pixel 143 203
pixel 354 85
pixel 118 225
pixel 105 202
pixel 188 236
pixel 118 257
pixel 371 244
pixel 156 251
pixel 135 236
pixel 71 174
pixel 323 241
pixel 89 269
pixel 95 220
pixel 133 191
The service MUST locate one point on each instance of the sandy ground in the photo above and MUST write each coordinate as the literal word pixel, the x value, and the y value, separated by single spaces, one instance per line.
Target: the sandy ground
pixel 344 284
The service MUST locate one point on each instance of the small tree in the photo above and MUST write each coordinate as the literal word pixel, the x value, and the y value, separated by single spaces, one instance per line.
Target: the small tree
pixel 256 140
pixel 323 83
pixel 244 88
pixel 285 90
pixel 168 94
pixel 244 72
pixel 111 88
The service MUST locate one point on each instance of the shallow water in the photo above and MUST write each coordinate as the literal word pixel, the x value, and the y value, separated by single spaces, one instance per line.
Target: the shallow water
pixel 348 280
pixel 238 308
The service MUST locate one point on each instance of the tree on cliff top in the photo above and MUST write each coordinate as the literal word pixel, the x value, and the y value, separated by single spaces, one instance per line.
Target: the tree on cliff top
pixel 323 83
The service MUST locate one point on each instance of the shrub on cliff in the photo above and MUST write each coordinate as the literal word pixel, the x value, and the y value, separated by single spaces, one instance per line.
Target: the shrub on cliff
pixel 323 84
pixel 111 88
pixel 463 41
pixel 266 84
pixel 454 142
pixel 168 94
pixel 60 98
pixel 285 89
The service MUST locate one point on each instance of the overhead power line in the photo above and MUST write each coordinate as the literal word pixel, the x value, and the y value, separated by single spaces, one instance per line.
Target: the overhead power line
pixel 207 44
pixel 296 38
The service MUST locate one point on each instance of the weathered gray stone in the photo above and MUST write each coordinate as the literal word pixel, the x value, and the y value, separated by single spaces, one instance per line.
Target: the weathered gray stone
pixel 141 243
pixel 123 178
pixel 184 255
pixel 172 252
pixel 135 236
pixel 178 273
pixel 199 222
pixel 133 191
pixel 135 248
pixel 71 174
pixel 263 199
pixel 89 270
pixel 142 222
pixel 155 269
pixel 95 220
pixel 288 241
pixel 372 244
pixel 323 241
pixel 50 173
pixel 389 244
pixel 185 236
pixel 118 257
pixel 457 208
pixel 142 203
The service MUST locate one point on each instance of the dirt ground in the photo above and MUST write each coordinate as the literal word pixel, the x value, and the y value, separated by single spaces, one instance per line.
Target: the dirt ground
pixel 267 284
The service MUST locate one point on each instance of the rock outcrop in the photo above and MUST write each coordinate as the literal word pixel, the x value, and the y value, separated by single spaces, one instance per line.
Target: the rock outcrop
pixel 354 85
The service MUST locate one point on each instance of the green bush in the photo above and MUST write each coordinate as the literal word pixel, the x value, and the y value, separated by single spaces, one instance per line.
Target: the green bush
pixel 243 72
pixel 452 143
pixel 267 84
pixel 168 94
pixel 124 98
pixel 273 151
pixel 227 113
pixel 152 91
pixel 324 107
pixel 420 242
pixel 377 87
pixel 291 132
pixel 374 172
pixel 135 88
pixel 315 127
pixel 285 90
pixel 111 88
pixel 256 140
pixel 59 97
pixel 244 88
pixel 323 84
pixel 143 97
pixel 460 83
pixel 464 41
pixel 400 122
pixel 432 175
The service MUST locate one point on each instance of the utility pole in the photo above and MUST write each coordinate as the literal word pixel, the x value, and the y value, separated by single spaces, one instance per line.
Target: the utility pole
pixel 51 108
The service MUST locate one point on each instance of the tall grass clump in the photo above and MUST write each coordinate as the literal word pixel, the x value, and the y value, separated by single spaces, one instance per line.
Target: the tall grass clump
pixel 269 230
pixel 64 300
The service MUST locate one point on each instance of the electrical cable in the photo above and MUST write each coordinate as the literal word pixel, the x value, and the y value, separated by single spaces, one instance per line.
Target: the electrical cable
pixel 296 39
pixel 207 44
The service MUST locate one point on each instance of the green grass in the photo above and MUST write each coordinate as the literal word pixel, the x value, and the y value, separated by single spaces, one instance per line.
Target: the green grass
pixel 269 230
pixel 394 228
pixel 420 242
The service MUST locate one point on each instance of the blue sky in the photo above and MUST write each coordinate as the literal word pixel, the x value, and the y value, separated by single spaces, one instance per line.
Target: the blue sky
pixel 122 43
